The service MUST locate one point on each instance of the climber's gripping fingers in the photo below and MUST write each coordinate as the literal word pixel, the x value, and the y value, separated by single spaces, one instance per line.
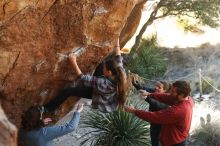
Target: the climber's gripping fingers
pixel 72 58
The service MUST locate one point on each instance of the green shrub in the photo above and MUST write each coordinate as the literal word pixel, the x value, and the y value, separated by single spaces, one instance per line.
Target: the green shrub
pixel 115 129
pixel 189 25
pixel 148 62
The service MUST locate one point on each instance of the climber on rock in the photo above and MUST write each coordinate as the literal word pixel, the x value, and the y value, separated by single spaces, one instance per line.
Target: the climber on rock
pixel 107 92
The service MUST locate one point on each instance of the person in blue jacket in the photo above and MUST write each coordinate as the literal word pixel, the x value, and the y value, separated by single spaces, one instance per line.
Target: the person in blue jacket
pixel 34 131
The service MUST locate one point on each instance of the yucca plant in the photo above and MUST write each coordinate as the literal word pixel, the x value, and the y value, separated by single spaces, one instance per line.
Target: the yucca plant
pixel 115 129
pixel 208 134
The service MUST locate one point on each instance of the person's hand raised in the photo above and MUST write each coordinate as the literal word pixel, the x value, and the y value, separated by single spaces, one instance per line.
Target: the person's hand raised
pixel 80 107
pixel 47 120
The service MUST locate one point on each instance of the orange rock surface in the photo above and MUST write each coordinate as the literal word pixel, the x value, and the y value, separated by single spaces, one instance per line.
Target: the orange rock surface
pixel 36 35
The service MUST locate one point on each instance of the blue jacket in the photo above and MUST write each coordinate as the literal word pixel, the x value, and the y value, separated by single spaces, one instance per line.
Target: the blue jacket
pixel 45 135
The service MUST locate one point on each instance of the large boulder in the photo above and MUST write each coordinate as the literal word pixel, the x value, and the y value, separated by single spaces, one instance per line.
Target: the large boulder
pixel 35 36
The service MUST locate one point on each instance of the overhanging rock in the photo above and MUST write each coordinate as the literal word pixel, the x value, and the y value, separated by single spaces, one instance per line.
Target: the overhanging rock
pixel 35 36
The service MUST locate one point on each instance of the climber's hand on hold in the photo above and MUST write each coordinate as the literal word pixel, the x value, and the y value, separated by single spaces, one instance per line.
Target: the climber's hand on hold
pixel 72 58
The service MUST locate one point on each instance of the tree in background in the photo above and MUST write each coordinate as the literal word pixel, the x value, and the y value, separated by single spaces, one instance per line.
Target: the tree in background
pixel 207 12
pixel 148 60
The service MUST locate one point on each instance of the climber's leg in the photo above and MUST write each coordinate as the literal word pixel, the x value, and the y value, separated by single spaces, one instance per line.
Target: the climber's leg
pixel 80 91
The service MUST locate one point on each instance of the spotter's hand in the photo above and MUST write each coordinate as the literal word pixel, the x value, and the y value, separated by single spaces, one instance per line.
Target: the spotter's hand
pixel 130 109
pixel 143 94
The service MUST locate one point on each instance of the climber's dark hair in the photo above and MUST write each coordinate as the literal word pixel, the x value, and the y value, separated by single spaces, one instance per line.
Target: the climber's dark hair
pixel 121 77
pixel 99 70
pixel 32 119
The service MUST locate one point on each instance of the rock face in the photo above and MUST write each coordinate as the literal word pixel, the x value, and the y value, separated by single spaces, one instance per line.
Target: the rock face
pixel 132 23
pixel 35 36
pixel 8 135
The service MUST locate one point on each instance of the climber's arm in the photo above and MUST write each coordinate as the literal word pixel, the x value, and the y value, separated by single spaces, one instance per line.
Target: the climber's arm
pixel 117 48
pixel 72 59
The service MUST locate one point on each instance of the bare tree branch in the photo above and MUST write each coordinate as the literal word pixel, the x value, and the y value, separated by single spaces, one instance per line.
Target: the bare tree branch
pixel 144 27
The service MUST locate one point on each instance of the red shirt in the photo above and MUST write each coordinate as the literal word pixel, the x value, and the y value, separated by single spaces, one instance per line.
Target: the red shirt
pixel 175 120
